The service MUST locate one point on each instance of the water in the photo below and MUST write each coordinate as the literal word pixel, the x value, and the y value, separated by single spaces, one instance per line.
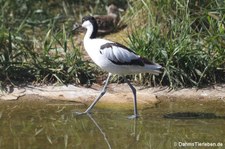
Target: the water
pixel 53 124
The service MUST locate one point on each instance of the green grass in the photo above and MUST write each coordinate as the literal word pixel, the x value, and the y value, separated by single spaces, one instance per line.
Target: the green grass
pixel 54 62
pixel 187 39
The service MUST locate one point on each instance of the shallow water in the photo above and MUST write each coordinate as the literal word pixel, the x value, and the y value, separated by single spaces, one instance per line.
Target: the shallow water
pixel 37 125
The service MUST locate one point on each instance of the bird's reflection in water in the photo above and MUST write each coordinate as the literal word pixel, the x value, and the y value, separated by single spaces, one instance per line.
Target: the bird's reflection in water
pixel 100 129
pixel 133 133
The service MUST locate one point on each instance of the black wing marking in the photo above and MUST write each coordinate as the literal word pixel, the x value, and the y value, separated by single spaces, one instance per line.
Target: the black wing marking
pixel 121 55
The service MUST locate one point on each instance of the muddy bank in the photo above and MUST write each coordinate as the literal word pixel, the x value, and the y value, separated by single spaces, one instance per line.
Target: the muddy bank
pixel 117 93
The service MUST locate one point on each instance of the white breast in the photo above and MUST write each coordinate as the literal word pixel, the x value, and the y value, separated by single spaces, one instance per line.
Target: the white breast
pixel 93 49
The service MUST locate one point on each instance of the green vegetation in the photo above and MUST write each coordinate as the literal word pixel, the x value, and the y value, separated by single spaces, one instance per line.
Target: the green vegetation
pixel 53 62
pixel 186 37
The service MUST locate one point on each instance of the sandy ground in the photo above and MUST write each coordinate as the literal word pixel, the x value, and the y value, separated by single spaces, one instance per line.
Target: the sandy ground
pixel 116 93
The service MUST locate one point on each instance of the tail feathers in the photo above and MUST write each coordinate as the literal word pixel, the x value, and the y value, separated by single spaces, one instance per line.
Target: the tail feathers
pixel 154 68
pixel 151 67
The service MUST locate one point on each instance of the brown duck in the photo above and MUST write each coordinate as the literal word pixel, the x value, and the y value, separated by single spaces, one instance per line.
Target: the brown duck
pixel 108 23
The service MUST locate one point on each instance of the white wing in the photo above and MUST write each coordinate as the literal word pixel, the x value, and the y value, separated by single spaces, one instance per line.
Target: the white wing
pixel 120 55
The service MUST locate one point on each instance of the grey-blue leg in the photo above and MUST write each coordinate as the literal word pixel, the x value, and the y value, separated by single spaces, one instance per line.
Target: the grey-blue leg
pixel 100 95
pixel 135 99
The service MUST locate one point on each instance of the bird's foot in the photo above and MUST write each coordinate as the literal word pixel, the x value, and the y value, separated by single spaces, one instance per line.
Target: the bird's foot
pixel 135 116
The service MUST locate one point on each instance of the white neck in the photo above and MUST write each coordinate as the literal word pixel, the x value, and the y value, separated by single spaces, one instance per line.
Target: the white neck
pixel 88 33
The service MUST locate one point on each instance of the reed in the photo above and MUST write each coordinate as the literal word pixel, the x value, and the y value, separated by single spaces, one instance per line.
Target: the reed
pixel 186 37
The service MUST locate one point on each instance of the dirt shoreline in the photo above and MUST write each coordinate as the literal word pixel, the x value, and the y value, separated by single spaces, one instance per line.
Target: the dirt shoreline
pixel 117 93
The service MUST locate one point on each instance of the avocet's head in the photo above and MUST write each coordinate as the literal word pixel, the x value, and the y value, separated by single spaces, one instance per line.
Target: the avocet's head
pixel 90 24
pixel 89 21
